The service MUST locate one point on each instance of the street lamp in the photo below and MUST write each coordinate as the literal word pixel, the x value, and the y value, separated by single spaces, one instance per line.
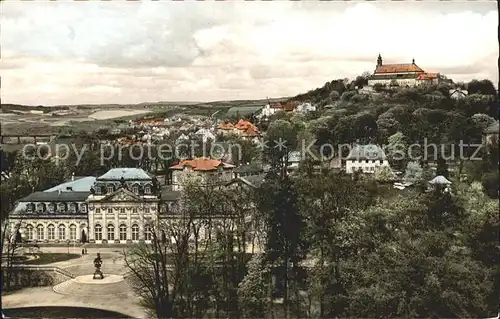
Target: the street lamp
pixel 68 242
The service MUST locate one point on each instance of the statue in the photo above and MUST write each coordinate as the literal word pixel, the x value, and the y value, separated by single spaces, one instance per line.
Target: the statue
pixel 97 264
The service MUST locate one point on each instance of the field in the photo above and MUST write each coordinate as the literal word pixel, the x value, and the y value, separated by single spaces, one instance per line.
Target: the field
pixel 20 119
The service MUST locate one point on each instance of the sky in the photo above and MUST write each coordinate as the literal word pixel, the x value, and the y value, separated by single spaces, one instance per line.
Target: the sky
pixel 63 52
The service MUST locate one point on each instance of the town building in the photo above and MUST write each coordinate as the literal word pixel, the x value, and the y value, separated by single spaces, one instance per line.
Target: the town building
pixel 402 74
pixel 202 170
pixel 491 134
pixel 458 94
pixel 365 159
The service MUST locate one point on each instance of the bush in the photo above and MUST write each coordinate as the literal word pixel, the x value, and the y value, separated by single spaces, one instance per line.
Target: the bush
pixel 490 184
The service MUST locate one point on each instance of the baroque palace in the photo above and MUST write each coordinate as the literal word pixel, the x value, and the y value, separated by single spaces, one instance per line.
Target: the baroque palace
pixel 122 206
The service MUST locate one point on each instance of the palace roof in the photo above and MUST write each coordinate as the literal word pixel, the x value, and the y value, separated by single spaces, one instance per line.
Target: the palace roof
pixel 117 174
pixel 398 68
pixel 56 197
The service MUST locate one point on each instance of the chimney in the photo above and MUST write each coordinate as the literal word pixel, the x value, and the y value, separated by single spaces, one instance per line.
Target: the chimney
pixel 413 61
pixel 73 176
pixel 59 191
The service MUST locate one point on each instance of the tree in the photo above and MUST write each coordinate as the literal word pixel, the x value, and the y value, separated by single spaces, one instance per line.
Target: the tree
pixel 397 150
pixel 413 172
pixel 442 168
pixel 253 289
pixel 384 174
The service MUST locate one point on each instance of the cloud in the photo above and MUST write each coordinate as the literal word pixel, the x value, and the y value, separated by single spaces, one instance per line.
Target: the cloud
pixel 101 52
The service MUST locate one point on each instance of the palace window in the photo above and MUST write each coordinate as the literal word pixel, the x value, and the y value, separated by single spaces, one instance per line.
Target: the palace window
pixel 39 207
pixel 51 232
pixel 147 210
pixel 72 232
pixel 110 211
pixel 147 190
pixel 83 208
pixel 134 210
pixel 51 208
pixel 98 190
pixel 72 207
pixel 61 207
pixel 147 232
pixel 135 232
pixel 29 232
pixel 111 232
pixel 123 232
pixel 110 189
pixel 39 232
pixel 122 210
pixel 98 232
pixel 29 208
pixel 135 190
pixel 62 232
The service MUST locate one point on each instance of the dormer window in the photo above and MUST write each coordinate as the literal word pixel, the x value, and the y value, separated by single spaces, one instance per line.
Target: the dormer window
pixel 51 208
pixel 135 189
pixel 29 207
pixel 110 189
pixel 98 190
pixel 147 190
pixel 83 208
pixel 39 207
pixel 72 207
pixel 61 207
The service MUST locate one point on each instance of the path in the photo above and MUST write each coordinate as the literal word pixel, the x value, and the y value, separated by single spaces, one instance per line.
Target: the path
pixel 112 293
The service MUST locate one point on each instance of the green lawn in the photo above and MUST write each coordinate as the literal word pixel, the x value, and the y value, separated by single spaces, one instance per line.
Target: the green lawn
pixel 48 258
pixel 61 312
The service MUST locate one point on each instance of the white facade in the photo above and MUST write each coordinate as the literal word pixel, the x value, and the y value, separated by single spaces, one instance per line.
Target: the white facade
pixel 387 82
pixel 365 165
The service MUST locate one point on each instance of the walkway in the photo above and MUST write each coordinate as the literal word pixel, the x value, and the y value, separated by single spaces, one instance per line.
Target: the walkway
pixel 113 293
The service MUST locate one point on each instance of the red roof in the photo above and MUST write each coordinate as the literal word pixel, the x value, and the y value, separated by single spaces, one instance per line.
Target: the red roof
pixel 251 132
pixel 427 76
pixel 398 68
pixel 225 126
pixel 201 164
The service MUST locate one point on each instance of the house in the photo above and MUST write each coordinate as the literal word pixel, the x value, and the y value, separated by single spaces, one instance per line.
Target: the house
pixel 248 170
pixel 305 108
pixel 225 128
pixel 403 74
pixel 252 181
pixel 204 170
pixel 441 182
pixel 365 158
pixel 269 110
pixel 490 134
pixel 182 139
pixel 120 206
pixel 293 159
pixel 205 135
pixel 458 93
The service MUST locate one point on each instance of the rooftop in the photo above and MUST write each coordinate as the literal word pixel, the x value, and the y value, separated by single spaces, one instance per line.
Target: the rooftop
pixel 56 196
pixel 398 68
pixel 82 184
pixel 131 174
pixel 201 164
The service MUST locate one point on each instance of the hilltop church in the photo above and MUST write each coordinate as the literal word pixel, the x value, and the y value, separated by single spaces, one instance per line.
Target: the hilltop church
pixel 403 74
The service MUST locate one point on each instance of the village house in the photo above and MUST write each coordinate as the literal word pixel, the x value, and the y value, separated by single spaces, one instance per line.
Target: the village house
pixel 403 74
pixel 491 134
pixel 458 93
pixel 205 135
pixel 365 159
pixel 242 128
pixel 305 108
pixel 203 170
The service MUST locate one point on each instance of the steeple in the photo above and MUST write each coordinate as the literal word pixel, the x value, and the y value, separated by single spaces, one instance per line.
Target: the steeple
pixel 379 60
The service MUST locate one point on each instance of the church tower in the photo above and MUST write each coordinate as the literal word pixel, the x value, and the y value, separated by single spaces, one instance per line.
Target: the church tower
pixel 379 60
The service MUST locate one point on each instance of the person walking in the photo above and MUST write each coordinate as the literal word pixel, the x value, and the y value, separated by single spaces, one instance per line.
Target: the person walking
pixel 83 251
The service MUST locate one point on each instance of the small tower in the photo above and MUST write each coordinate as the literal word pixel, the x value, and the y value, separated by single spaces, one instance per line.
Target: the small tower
pixel 413 61
pixel 379 60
